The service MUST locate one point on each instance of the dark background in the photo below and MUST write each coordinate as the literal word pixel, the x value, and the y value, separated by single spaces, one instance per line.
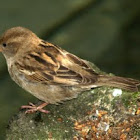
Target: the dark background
pixel 105 32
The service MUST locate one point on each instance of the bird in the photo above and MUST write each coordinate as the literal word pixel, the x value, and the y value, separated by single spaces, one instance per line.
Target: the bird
pixel 49 72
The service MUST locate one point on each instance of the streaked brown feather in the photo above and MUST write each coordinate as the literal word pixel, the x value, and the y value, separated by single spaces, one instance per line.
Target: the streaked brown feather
pixel 76 60
pixel 56 66
pixel 61 67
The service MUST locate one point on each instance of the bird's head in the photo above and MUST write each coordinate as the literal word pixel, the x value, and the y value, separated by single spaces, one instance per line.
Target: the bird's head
pixel 16 39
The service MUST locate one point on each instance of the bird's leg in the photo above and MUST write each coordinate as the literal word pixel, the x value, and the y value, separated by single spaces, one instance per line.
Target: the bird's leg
pixel 33 108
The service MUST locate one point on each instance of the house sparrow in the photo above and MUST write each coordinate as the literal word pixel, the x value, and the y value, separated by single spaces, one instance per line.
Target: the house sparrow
pixel 50 73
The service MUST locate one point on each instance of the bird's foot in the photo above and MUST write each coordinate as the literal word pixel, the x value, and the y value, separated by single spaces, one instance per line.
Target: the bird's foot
pixel 33 108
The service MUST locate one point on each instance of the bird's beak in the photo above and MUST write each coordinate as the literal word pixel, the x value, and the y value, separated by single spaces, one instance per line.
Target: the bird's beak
pixel 0 49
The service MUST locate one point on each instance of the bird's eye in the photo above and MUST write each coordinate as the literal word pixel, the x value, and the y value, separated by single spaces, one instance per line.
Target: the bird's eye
pixel 4 44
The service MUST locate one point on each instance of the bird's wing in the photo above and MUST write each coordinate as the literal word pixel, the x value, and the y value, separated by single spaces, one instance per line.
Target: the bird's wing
pixel 52 65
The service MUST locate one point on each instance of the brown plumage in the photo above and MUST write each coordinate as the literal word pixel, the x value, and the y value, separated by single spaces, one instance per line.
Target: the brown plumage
pixel 50 73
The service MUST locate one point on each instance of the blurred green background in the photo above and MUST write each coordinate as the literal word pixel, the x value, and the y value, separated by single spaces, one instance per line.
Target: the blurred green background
pixel 105 32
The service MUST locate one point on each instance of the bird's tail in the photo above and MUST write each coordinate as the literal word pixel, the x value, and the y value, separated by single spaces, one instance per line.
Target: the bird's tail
pixel 119 82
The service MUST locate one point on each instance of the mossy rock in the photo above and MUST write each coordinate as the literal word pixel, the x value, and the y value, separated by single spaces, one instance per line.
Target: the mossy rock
pixel 100 113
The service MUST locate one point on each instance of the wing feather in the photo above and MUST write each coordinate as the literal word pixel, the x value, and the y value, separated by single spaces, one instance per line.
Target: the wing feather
pixel 52 65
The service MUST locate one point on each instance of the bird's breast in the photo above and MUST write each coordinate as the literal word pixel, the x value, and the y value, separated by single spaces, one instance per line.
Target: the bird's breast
pixel 48 93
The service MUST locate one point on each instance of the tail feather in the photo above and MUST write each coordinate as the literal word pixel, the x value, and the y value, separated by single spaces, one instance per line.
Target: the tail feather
pixel 119 82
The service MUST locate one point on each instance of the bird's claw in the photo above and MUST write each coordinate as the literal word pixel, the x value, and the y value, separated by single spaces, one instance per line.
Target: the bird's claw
pixel 33 108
